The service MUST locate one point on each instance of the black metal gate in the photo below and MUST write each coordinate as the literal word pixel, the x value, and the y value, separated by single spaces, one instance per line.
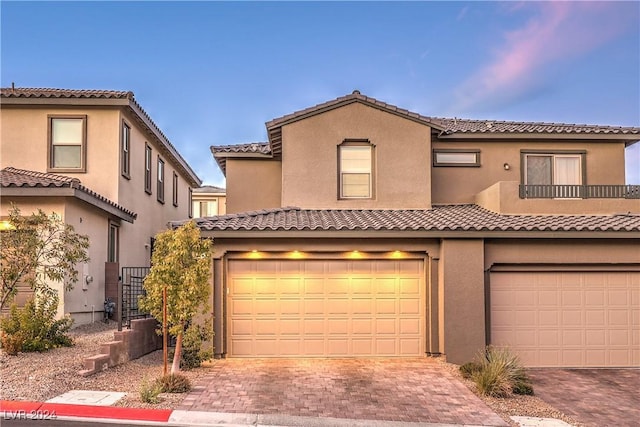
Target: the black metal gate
pixel 132 289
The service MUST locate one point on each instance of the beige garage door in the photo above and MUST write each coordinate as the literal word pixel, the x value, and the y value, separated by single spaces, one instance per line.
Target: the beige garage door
pixel 568 319
pixel 325 308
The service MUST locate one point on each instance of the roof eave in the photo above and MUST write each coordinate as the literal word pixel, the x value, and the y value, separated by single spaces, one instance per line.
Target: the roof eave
pixel 417 234
pixel 68 191
pixel 600 137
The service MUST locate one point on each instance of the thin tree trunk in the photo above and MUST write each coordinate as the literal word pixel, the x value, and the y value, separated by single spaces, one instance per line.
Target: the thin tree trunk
pixel 175 367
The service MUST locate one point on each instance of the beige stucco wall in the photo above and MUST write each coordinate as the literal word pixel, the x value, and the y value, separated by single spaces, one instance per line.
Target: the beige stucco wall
pixel 604 165
pixel 253 185
pixel 24 136
pixel 401 166
pixel 86 220
pixel 461 292
pixel 557 251
pixel 153 216
pixel 503 198
pixel 208 197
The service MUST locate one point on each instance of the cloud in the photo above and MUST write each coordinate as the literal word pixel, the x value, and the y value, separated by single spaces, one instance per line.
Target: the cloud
pixel 522 62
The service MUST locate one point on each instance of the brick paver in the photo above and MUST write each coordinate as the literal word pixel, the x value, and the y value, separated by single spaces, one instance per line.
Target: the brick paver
pixel 595 397
pixel 414 390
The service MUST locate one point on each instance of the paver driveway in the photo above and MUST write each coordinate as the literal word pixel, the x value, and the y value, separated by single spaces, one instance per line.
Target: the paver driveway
pixel 595 397
pixel 416 390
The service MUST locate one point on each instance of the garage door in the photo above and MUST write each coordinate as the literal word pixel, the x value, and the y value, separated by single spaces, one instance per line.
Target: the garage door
pixel 568 319
pixel 325 308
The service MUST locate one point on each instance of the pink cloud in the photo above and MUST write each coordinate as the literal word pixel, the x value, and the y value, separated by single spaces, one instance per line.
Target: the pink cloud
pixel 559 31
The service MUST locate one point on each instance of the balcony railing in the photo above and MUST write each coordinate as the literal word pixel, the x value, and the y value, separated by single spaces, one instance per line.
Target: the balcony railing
pixel 536 191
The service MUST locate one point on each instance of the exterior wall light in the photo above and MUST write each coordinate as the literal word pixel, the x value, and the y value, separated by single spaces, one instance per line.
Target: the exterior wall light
pixel 506 166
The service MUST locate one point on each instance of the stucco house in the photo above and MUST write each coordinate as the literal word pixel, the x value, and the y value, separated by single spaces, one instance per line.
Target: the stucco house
pixel 361 229
pixel 209 200
pixel 98 160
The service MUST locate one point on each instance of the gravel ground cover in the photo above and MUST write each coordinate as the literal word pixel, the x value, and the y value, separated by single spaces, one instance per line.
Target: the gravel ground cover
pixel 42 376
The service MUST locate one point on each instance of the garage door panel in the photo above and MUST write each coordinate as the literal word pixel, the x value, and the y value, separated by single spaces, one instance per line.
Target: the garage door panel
pixel 241 306
pixel 386 347
pixel 326 308
pixel 386 327
pixel 337 327
pixel 589 319
pixel 386 306
pixel 410 286
pixel 362 326
pixel 410 306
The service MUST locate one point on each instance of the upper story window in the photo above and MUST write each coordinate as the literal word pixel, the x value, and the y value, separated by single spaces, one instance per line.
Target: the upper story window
pixel 147 168
pixel 160 193
pixel 125 151
pixel 561 168
pixel 455 157
pixel 175 189
pixel 113 242
pixel 203 209
pixel 190 202
pixel 67 143
pixel 355 169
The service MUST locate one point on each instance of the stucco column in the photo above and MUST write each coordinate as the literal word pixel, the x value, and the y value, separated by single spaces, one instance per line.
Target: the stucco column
pixel 218 309
pixel 462 305
pixel 433 329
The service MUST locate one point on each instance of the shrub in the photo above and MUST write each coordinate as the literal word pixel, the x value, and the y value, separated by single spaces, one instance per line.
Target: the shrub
pixel 500 373
pixel 174 383
pixel 192 352
pixel 469 368
pixel 35 327
pixel 149 391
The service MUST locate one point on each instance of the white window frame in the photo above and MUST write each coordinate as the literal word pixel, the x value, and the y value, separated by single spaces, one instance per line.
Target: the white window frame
pixel 160 180
pixel 474 161
pixel 125 151
pixel 345 170
pixel 82 168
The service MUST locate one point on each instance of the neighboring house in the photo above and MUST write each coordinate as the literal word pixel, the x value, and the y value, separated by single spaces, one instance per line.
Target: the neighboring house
pixel 362 229
pixel 98 160
pixel 209 200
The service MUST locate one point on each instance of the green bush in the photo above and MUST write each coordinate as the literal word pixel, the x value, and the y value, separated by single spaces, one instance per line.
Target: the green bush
pixel 174 383
pixel 192 352
pixel 500 373
pixel 35 327
pixel 149 391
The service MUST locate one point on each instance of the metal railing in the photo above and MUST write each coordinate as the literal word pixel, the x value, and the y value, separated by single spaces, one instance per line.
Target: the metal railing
pixel 536 191
pixel 132 289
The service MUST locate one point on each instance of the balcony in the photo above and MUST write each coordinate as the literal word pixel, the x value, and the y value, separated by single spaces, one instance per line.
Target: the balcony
pixel 579 191
pixel 509 197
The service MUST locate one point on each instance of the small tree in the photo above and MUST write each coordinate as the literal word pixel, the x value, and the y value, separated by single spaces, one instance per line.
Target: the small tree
pixel 37 249
pixel 181 262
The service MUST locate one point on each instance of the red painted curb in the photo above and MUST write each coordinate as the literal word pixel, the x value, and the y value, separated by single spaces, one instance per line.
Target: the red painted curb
pixel 19 405
pixel 86 411
pixel 138 414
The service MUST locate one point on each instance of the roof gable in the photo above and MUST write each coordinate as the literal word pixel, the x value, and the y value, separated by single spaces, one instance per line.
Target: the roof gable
pixel 37 96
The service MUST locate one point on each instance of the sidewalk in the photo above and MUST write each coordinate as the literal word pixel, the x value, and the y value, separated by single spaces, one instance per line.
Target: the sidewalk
pixel 10 409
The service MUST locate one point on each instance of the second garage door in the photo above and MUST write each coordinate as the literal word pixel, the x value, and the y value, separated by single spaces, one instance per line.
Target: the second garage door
pixel 568 319
pixel 325 308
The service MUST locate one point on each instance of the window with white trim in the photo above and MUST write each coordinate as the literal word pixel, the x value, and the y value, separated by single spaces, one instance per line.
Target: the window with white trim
pixel 456 157
pixel 355 170
pixel 147 168
pixel 67 143
pixel 175 189
pixel 125 148
pixel 160 180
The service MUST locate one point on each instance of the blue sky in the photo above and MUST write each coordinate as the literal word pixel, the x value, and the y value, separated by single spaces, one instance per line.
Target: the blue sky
pixel 212 73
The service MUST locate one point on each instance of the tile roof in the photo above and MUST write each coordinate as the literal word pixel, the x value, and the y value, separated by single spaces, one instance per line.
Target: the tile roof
pixel 440 218
pixel 12 178
pixel 251 147
pixel 209 189
pixel 455 125
pixel 14 92
pixel 143 116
